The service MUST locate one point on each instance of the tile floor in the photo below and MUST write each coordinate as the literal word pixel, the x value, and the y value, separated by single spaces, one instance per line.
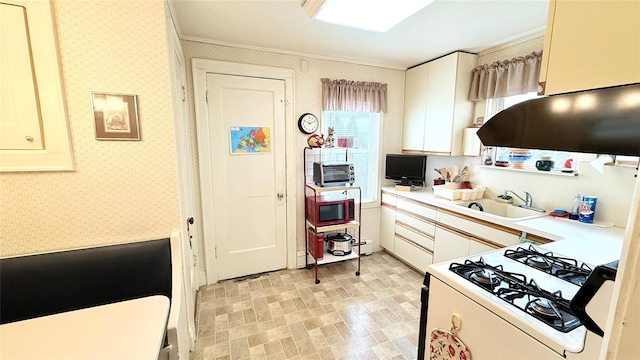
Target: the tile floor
pixel 285 315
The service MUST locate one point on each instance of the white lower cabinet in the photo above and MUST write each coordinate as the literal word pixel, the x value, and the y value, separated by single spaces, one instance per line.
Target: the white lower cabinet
pixel 449 245
pixel 407 229
pixel 421 234
pixel 476 246
pixel 496 235
pixel 387 226
pixel 414 241
pixel 412 254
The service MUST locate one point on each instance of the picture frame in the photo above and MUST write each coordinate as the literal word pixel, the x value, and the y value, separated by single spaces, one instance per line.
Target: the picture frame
pixel 479 121
pixel 115 116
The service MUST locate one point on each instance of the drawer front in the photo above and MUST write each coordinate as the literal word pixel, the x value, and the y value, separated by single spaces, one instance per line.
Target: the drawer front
pixel 416 237
pixel 421 225
pixel 416 207
pixel 388 199
pixel 414 255
pixel 494 234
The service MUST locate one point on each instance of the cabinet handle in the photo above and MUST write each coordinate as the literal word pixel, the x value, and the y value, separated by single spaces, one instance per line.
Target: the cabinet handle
pixel 28 138
pixel 410 242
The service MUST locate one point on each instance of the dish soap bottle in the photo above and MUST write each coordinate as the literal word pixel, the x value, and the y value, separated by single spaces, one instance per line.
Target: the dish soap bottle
pixel 575 207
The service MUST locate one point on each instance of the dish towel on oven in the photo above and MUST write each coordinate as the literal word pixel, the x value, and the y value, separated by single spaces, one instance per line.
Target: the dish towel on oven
pixel 446 346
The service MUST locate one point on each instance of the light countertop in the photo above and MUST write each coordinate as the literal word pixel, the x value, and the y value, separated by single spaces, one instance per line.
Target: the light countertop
pixel 132 329
pixel 589 243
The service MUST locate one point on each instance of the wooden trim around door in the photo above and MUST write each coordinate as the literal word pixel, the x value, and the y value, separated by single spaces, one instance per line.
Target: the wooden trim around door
pixel 200 68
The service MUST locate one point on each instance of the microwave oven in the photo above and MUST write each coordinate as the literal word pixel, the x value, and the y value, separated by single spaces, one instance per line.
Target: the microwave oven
pixel 321 212
pixel 327 174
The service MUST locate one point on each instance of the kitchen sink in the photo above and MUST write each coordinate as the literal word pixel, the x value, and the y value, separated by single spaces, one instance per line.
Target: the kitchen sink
pixel 500 210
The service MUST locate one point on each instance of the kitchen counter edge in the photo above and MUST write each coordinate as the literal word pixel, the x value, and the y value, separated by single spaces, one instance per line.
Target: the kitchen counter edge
pixel 575 233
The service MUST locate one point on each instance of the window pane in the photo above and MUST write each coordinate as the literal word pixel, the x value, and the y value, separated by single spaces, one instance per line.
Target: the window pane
pixel 363 131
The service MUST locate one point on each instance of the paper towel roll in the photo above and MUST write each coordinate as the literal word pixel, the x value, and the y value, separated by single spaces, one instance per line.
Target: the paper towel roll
pixel 600 161
pixel 471 142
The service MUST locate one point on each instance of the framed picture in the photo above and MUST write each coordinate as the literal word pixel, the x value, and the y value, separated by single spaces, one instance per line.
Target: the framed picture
pixel 115 116
pixel 479 121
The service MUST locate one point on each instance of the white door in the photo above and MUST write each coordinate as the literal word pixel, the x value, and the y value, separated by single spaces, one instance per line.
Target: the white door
pixel 185 176
pixel 248 187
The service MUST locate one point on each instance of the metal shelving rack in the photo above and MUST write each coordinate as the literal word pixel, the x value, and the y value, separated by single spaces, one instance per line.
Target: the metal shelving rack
pixel 311 189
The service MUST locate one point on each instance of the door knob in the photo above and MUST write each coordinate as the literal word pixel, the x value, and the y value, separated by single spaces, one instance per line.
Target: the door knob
pixel 280 196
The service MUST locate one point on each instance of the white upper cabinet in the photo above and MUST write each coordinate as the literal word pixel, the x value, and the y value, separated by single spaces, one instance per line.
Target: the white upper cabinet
pixel 33 119
pixel 436 109
pixel 590 44
pixel 19 112
pixel 415 107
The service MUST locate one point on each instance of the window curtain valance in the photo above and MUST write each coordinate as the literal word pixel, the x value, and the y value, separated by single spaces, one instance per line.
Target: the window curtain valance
pixel 506 78
pixel 346 95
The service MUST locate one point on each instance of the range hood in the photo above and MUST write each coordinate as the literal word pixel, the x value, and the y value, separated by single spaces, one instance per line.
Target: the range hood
pixel 600 121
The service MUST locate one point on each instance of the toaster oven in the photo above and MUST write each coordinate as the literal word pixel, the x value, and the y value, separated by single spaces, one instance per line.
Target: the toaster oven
pixel 337 174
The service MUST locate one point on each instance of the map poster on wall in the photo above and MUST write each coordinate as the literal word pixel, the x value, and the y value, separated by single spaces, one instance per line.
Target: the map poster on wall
pixel 249 139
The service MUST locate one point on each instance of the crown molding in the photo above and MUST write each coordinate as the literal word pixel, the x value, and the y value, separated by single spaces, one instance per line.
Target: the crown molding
pixel 295 53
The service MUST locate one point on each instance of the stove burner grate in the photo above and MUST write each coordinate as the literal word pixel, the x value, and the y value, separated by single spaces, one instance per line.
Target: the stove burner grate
pixel 485 277
pixel 563 268
pixel 550 308
pixel 543 307
pixel 537 261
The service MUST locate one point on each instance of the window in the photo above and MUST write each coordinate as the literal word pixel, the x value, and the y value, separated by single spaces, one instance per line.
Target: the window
pixel 560 158
pixel 362 129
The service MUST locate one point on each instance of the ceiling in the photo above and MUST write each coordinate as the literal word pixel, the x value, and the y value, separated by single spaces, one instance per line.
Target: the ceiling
pixel 438 29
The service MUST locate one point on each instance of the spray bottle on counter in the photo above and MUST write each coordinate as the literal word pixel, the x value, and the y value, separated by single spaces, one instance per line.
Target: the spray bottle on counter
pixel 575 207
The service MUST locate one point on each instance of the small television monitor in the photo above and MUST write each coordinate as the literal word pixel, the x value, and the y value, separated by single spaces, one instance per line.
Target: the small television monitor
pixel 406 169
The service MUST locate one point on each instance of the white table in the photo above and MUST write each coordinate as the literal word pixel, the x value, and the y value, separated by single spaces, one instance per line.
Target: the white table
pixel 132 329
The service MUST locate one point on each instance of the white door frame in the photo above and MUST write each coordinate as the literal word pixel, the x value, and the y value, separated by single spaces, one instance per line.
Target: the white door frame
pixel 182 135
pixel 200 68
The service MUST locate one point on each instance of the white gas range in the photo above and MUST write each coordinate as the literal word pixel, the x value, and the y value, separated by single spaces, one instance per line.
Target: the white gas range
pixel 515 303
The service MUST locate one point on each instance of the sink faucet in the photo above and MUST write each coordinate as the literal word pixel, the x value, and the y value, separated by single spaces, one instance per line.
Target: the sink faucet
pixel 528 201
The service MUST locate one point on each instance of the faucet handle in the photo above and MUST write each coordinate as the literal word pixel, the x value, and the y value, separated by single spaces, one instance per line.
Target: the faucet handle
pixel 529 199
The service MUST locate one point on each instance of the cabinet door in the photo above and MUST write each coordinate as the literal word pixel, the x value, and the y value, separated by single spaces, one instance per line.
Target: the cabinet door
pixel 413 254
pixel 477 247
pixel 387 226
pixel 440 104
pixel 449 245
pixel 19 110
pixel 415 96
pixel 500 236
pixel 591 44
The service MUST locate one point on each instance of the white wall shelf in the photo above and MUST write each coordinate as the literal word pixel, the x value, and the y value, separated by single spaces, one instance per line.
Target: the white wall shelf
pixel 529 171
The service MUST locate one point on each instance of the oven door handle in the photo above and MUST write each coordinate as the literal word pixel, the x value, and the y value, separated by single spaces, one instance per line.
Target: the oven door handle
pixel 586 293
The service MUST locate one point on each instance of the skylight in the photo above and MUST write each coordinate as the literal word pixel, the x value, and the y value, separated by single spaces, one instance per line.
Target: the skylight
pixel 372 15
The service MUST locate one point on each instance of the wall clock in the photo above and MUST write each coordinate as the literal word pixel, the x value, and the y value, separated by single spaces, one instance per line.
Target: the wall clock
pixel 308 123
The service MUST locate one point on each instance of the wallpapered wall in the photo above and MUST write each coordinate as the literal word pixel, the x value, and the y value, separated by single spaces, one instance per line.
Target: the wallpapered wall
pixel 120 190
pixel 307 98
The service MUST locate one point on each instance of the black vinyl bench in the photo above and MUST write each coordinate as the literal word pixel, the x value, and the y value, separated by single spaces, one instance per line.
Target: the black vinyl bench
pixel 49 283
